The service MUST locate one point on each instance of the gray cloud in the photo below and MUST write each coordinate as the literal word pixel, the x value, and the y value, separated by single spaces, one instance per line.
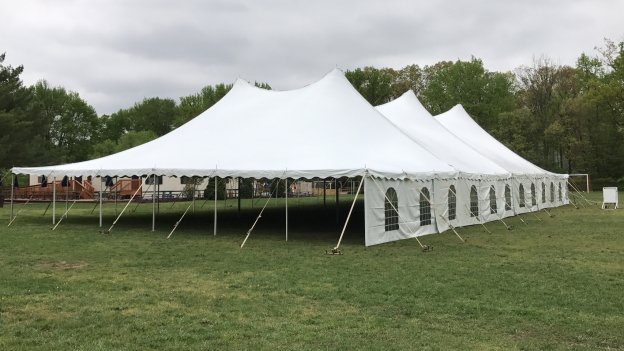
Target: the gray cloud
pixel 115 53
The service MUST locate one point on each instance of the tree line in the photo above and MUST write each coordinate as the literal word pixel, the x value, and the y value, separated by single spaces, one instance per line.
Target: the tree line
pixel 563 118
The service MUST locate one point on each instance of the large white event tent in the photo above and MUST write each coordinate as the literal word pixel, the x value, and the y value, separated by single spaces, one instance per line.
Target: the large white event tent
pixel 476 195
pixel 326 129
pixel 533 188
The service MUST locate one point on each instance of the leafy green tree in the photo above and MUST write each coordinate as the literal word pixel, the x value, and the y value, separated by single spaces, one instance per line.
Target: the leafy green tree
pixel 374 84
pixel 22 131
pixel 126 141
pixel 483 94
pixel 410 77
pixel 72 124
pixel 192 105
pixel 154 114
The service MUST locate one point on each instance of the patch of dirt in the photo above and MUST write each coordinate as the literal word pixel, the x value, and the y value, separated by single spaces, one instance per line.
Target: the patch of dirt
pixel 62 265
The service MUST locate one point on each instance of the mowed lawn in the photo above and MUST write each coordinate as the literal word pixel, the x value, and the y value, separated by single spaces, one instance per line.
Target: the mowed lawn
pixel 554 284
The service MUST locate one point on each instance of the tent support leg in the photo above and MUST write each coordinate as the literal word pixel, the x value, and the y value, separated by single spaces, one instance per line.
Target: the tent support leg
pixel 125 207
pixel 53 200
pixel 336 249
pixel 101 196
pixel 193 203
pixel 216 179
pixel 154 204
pixel 324 193
pixel 179 221
pixel 286 198
pixel 115 194
pixel 260 214
pixel 337 202
pixel 64 215
pixel 12 194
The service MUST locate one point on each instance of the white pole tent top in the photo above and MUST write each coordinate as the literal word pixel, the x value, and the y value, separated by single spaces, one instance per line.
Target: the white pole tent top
pixel 459 122
pixel 326 129
pixel 407 113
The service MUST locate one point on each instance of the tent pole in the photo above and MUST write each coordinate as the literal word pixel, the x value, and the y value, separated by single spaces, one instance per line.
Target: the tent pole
pixel 286 191
pixel 125 207
pixel 324 194
pixel 101 195
pixel 154 204
pixel 54 200
pixel 337 202
pixel 238 195
pixel 12 194
pixel 193 200
pixel 216 179
pixel 116 192
pixel 66 197
pixel 336 249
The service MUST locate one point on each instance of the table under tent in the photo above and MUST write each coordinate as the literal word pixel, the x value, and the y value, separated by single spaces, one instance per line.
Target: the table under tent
pixel 493 183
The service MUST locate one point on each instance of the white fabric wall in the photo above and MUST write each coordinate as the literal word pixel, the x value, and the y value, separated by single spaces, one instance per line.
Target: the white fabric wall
pixel 408 197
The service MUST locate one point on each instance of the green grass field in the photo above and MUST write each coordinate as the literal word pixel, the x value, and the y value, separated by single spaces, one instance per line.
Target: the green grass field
pixel 554 284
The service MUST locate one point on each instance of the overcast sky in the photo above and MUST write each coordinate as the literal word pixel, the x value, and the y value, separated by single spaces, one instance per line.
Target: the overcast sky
pixel 117 52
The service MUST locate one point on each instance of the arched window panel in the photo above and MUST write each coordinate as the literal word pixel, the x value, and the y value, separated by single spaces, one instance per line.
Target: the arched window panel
pixel 543 193
pixel 552 192
pixel 507 197
pixel 560 193
pixel 521 196
pixel 425 207
pixel 474 202
pixel 391 214
pixel 452 203
pixel 533 199
pixel 493 206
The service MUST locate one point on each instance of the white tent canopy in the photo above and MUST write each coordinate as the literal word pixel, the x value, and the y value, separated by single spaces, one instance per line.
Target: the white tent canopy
pixel 479 174
pixel 408 114
pixel 535 182
pixel 322 130
pixel 459 122
pixel 326 129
